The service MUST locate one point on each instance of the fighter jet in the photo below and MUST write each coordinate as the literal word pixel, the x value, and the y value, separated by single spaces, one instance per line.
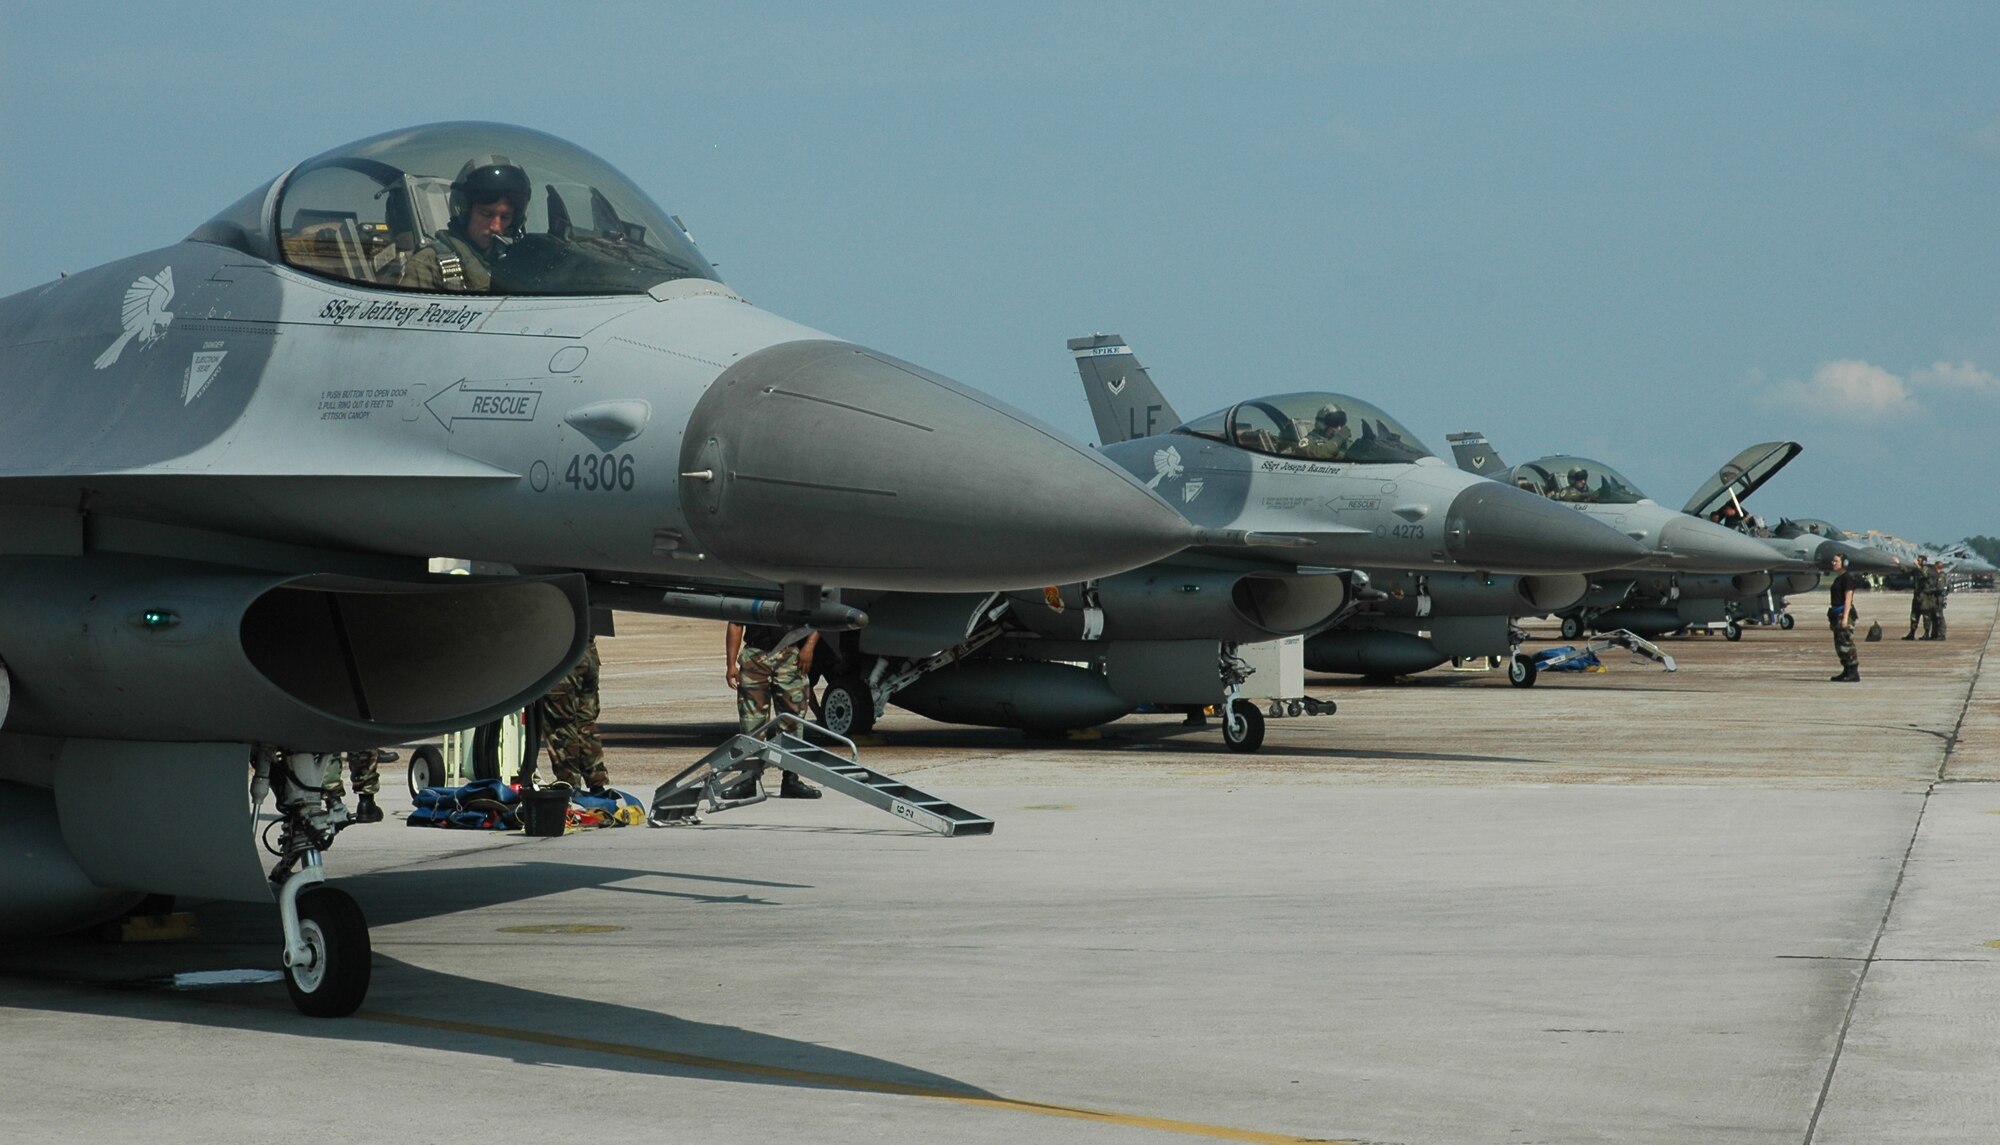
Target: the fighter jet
pixel 1704 568
pixel 225 462
pixel 1330 482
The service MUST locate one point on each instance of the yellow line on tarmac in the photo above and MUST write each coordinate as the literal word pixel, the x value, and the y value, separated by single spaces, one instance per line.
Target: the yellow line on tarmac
pixel 841 1081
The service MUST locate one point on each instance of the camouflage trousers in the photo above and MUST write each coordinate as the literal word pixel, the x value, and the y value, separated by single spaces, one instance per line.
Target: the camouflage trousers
pixel 1843 643
pixel 362 766
pixel 569 725
pixel 767 680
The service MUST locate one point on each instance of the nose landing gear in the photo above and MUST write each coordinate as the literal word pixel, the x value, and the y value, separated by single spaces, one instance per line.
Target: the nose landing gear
pixel 327 954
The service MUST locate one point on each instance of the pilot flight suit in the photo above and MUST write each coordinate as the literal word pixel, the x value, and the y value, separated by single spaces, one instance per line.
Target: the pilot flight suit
pixel 569 725
pixel 1572 493
pixel 1328 446
pixel 451 262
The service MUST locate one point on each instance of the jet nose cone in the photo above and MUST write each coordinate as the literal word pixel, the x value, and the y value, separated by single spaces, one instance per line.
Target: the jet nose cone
pixel 824 462
pixel 1503 529
pixel 1694 545
pixel 1860 558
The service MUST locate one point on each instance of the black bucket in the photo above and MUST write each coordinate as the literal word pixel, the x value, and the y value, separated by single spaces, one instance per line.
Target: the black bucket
pixel 544 811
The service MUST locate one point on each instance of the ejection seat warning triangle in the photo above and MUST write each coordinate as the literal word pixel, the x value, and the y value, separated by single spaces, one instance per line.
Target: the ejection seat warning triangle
pixel 463 402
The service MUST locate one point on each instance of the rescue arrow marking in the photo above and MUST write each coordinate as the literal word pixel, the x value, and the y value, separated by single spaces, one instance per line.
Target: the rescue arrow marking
pixel 462 402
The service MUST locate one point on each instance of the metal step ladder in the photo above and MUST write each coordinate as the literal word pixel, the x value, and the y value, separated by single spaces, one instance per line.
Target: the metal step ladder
pixel 733 776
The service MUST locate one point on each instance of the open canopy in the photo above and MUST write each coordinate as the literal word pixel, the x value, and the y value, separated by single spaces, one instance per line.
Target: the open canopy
pixel 1314 426
pixel 392 211
pixel 1567 478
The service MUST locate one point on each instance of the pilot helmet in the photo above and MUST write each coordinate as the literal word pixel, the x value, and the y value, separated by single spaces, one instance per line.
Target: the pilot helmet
pixel 1331 417
pixel 487 178
pixel 1579 474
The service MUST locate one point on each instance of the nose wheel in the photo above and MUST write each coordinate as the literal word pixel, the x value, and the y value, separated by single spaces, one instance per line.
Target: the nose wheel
pixel 329 977
pixel 1244 729
pixel 1521 671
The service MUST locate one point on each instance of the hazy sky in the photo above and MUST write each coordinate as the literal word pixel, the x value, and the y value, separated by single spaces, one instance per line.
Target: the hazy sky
pixel 1649 233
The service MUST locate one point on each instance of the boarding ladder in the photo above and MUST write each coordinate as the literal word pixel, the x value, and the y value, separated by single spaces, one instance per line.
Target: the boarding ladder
pixel 733 775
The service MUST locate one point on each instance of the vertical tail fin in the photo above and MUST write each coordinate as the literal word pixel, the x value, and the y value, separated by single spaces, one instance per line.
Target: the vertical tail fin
pixel 1121 393
pixel 1474 455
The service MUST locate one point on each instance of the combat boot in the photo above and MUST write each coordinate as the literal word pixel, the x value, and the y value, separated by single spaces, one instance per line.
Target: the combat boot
pixel 1913 633
pixel 1848 675
pixel 795 788
pixel 365 810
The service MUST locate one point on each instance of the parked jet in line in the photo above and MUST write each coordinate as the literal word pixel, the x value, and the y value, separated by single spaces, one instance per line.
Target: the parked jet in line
pixel 1340 480
pixel 223 464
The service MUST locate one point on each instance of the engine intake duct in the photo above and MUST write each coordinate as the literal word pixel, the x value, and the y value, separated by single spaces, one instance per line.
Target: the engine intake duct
pixel 1180 602
pixel 123 647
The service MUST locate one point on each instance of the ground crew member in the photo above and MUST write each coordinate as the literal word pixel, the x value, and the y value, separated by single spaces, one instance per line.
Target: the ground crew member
pixel 767 665
pixel 1841 615
pixel 569 726
pixel 364 768
pixel 1940 587
pixel 1920 596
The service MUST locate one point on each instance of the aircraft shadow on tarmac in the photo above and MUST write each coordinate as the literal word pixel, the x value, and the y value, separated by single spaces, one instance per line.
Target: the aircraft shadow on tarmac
pixel 423 1008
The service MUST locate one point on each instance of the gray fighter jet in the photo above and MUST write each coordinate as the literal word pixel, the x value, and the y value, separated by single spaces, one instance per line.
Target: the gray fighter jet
pixel 1327 480
pixel 1425 619
pixel 224 463
pixel 1706 569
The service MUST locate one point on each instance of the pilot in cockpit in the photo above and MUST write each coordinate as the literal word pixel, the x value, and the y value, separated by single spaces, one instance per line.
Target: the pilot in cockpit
pixel 1578 488
pixel 1329 438
pixel 489 204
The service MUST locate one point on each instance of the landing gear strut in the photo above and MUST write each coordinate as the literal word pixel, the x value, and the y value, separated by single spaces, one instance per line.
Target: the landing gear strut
pixel 327 952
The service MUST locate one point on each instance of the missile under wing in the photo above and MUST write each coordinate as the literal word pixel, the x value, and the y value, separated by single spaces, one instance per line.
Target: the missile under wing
pixel 223 464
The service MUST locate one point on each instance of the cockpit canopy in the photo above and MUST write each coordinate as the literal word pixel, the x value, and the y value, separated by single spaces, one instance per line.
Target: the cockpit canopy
pixel 1312 426
pixel 1580 479
pixel 382 212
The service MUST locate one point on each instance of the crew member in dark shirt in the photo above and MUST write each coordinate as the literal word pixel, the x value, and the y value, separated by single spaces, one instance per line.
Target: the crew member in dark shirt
pixel 1840 614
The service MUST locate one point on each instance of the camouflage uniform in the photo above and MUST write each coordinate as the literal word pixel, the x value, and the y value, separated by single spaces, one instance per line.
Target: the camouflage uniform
pixel 1920 600
pixel 767 680
pixel 1934 619
pixel 365 769
pixel 569 725
pixel 1843 644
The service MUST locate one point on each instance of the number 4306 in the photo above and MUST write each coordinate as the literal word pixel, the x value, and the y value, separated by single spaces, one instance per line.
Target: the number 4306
pixel 600 471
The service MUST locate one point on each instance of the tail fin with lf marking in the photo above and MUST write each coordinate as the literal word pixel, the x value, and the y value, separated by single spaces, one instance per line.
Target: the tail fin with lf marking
pixel 1474 455
pixel 1121 393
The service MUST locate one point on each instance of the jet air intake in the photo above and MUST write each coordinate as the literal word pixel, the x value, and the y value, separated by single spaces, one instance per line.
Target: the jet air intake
pixel 122 647
pixel 1171 602
pixel 821 462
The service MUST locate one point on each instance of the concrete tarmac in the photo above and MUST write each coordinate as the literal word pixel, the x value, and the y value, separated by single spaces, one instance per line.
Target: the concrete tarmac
pixel 1737 903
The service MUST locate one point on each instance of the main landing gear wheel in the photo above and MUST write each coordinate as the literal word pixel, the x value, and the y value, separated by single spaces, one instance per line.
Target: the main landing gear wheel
pixel 1521 671
pixel 331 982
pixel 1732 631
pixel 846 707
pixel 1785 621
pixel 1572 627
pixel 1244 729
pixel 426 768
